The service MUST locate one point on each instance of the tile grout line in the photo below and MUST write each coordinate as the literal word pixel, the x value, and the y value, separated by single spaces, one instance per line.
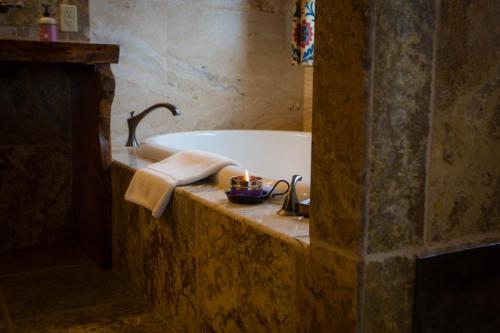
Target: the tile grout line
pixel 437 248
pixel 365 208
pixel 432 106
pixel 5 310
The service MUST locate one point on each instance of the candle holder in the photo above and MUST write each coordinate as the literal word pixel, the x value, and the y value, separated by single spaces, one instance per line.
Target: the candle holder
pixel 250 190
pixel 242 186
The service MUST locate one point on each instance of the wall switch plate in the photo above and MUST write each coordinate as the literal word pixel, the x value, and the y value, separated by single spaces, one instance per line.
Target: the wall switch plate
pixel 68 17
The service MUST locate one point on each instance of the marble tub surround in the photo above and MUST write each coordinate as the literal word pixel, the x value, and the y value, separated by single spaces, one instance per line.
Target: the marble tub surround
pixel 411 147
pixel 23 23
pixel 225 64
pixel 294 230
pixel 272 155
pixel 209 265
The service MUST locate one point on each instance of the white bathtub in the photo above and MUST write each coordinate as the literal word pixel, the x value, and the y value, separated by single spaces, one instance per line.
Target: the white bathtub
pixel 272 155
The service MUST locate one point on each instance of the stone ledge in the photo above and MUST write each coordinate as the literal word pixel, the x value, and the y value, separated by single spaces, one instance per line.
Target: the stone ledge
pixel 291 230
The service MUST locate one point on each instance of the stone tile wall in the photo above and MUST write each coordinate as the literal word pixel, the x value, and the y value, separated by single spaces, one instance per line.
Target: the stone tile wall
pixel 205 271
pixel 464 170
pixel 23 23
pixel 405 161
pixel 225 64
pixel 399 123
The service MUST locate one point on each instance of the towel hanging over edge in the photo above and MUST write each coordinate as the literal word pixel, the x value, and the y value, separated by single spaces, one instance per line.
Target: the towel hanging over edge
pixel 152 186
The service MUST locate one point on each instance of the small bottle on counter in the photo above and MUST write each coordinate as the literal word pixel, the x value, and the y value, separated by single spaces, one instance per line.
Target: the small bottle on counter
pixel 48 26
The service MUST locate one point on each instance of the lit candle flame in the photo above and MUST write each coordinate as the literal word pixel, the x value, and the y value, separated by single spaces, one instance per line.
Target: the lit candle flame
pixel 247 177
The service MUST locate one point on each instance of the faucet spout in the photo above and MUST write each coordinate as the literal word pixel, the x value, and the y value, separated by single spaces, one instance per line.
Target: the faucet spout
pixel 134 120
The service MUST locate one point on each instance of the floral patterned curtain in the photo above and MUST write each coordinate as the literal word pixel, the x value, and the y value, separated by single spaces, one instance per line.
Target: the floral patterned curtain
pixel 303 33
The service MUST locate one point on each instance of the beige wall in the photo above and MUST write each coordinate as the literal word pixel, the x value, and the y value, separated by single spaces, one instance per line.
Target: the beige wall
pixel 226 64
pixel 23 23
pixel 308 99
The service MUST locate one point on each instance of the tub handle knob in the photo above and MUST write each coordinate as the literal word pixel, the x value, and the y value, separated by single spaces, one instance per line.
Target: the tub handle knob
pixel 290 207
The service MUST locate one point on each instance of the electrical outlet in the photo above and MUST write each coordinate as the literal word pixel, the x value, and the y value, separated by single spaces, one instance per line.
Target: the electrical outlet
pixel 68 18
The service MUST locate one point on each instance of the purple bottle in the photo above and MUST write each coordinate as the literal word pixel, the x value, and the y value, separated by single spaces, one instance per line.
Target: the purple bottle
pixel 48 26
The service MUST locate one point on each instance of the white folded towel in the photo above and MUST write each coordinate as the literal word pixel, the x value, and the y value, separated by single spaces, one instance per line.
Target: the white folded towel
pixel 152 186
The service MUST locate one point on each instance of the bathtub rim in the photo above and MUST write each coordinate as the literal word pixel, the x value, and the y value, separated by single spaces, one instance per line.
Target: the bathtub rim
pixel 280 227
pixel 156 152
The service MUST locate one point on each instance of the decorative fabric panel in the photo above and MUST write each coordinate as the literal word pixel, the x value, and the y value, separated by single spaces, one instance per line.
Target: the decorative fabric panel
pixel 303 33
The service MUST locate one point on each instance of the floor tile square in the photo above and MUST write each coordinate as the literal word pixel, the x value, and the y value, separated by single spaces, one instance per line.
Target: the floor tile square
pixel 50 291
pixel 126 317
pixel 33 260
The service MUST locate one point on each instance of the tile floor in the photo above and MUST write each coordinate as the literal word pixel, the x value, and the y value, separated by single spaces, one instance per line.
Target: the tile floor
pixel 61 290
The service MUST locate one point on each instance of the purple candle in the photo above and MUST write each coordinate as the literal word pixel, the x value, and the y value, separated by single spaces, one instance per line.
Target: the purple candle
pixel 246 185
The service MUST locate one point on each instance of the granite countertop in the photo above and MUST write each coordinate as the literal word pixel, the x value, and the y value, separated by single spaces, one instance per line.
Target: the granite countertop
pixel 292 230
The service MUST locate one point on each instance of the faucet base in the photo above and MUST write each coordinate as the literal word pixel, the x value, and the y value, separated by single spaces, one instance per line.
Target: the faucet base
pixel 284 212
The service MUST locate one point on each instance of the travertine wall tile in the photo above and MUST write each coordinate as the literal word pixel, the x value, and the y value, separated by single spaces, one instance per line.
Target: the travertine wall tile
pixel 340 99
pixel 141 75
pixel 464 180
pixel 245 278
pixel 225 64
pixel 326 292
pixel 400 123
pixel 388 294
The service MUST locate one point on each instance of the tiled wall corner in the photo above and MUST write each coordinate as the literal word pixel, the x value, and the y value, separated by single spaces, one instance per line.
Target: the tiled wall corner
pixel 451 201
pixel 341 74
